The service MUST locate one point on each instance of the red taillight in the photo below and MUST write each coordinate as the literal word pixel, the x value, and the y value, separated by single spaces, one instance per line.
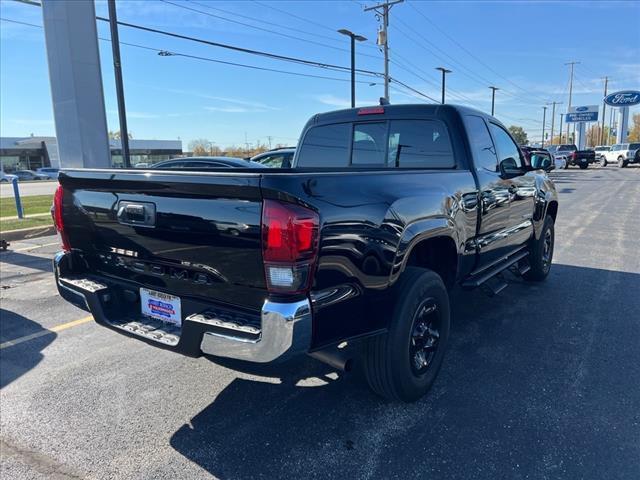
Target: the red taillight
pixel 574 155
pixel 371 111
pixel 289 246
pixel 58 220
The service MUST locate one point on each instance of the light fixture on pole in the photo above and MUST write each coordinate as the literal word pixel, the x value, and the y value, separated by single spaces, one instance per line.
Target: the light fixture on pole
pixel 353 38
pixel 444 72
pixel 493 99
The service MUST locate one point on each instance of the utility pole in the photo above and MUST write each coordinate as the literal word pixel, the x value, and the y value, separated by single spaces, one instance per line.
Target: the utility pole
pixel 382 12
pixel 560 142
pixel 353 38
pixel 269 137
pixel 571 64
pixel 117 68
pixel 544 119
pixel 553 118
pixel 493 99
pixel 604 109
pixel 444 73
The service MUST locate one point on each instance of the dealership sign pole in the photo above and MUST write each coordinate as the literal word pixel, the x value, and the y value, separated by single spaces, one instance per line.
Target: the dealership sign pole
pixel 623 100
pixel 582 115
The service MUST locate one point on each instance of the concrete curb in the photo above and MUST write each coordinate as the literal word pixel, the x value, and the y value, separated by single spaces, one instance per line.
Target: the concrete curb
pixel 26 233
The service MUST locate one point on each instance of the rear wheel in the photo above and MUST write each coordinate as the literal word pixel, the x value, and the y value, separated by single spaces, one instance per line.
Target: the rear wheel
pixel 622 162
pixel 541 252
pixel 566 164
pixel 603 161
pixel 584 165
pixel 403 363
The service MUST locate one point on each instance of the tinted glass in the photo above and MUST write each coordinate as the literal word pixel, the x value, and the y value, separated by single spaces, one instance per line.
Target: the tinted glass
pixel 326 146
pixel 369 144
pixel 205 165
pixel 634 146
pixel 419 144
pixel 507 149
pixel 273 161
pixel 484 152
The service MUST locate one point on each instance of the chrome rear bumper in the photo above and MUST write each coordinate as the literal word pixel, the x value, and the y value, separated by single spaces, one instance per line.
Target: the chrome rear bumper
pixel 284 328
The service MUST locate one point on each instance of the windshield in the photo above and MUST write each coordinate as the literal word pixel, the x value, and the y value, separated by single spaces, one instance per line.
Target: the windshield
pixel 567 147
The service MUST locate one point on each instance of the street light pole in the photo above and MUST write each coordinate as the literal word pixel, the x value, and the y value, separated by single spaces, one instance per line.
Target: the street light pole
pixel 117 68
pixel 553 118
pixel 353 38
pixel 444 72
pixel 493 99
pixel 544 119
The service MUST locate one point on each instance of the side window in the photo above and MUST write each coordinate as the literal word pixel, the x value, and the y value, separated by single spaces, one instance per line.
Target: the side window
pixel 326 146
pixel 507 149
pixel 484 152
pixel 273 161
pixel 369 144
pixel 419 144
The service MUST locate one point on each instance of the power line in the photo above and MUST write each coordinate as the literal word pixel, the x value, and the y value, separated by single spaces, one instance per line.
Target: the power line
pixel 167 53
pixel 286 27
pixel 466 50
pixel 286 35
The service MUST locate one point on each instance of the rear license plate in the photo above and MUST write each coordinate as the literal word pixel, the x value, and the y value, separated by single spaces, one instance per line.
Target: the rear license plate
pixel 161 306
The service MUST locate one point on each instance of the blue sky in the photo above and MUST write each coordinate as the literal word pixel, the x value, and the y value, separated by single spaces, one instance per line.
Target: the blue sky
pixel 520 47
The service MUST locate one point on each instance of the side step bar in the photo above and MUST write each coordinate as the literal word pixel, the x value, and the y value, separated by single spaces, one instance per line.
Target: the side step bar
pixel 483 276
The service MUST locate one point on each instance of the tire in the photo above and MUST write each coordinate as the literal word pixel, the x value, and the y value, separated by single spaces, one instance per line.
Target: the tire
pixel 403 363
pixel 566 164
pixel 541 252
pixel 583 165
pixel 603 161
pixel 622 163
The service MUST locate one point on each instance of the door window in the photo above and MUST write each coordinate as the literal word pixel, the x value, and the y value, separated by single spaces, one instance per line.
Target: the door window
pixel 508 151
pixel 484 152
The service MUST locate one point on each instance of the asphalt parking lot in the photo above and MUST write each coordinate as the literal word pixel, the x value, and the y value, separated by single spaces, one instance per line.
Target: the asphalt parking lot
pixel 541 382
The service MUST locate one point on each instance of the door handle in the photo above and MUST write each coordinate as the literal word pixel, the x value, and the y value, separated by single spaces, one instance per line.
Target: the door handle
pixel 140 214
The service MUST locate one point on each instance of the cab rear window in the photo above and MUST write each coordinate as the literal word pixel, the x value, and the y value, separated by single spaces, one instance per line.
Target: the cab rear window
pixel 387 144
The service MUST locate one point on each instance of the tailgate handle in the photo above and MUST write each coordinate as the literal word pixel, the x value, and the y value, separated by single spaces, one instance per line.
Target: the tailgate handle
pixel 140 214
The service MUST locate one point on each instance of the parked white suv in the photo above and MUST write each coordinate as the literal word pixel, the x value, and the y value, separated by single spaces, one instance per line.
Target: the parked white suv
pixel 622 154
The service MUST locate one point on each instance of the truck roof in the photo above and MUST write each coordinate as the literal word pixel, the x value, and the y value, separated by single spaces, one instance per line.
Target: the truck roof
pixel 419 109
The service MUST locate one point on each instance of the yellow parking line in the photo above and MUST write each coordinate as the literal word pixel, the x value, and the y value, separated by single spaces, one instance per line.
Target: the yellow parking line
pixel 35 246
pixel 42 333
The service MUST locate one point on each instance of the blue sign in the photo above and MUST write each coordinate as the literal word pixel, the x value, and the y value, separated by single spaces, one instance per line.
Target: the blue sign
pixel 625 98
pixel 581 116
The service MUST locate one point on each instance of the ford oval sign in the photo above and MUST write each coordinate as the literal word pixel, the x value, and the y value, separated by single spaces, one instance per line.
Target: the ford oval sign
pixel 582 109
pixel 626 98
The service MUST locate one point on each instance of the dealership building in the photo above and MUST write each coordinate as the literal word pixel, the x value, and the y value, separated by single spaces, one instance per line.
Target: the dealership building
pixel 31 153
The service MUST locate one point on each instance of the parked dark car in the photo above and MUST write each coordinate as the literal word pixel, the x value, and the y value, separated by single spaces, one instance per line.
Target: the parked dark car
pixel 349 256
pixel 30 175
pixel 204 163
pixel 277 158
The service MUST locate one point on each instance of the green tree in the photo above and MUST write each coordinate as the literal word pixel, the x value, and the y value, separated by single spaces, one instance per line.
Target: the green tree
pixel 115 135
pixel 519 134
pixel 634 131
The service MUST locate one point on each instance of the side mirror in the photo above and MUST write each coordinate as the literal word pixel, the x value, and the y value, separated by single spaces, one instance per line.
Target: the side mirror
pixel 547 164
pixel 509 167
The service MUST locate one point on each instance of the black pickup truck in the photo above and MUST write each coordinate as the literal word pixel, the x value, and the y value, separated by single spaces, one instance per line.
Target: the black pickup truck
pixel 348 256
pixel 573 156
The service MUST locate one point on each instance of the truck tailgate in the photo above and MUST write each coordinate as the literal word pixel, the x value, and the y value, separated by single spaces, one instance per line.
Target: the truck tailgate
pixel 187 234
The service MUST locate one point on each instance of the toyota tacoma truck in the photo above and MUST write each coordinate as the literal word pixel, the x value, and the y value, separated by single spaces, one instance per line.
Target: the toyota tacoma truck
pixel 348 256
